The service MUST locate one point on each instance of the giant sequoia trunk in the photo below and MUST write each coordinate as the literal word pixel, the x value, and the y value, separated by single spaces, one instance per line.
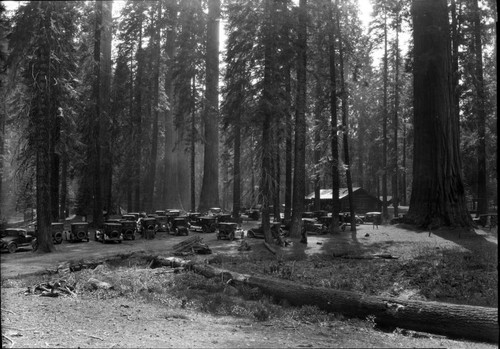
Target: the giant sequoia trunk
pixel 209 196
pixel 437 193
pixel 480 111
pixel 299 178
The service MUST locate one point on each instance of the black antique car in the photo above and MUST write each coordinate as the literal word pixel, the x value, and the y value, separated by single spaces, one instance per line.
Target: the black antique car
pixel 130 217
pixel 312 225
pixel 224 217
pixel 128 229
pixel 160 212
pixel 110 232
pixel 79 232
pixel 57 230
pixel 180 226
pixel 148 227
pixel 258 232
pixel 253 213
pixel 193 217
pixel 162 223
pixel 226 230
pixel 208 224
pixel 14 238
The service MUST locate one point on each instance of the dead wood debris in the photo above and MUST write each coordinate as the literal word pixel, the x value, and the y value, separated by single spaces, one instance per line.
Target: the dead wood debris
pixel 190 246
pixel 52 289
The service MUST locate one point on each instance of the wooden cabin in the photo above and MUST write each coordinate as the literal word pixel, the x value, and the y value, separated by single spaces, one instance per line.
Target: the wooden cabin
pixel 363 201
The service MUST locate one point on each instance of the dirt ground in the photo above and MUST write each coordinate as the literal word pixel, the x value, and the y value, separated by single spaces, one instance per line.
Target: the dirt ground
pixel 30 321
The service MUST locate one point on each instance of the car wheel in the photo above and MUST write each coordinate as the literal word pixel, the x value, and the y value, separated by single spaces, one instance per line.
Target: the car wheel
pixel 12 248
pixel 58 238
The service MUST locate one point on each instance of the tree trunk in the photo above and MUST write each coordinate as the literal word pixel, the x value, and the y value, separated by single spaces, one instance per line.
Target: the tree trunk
pixel 97 120
pixel 385 213
pixel 170 179
pixel 454 320
pixel 267 112
pixel 63 196
pixel 43 115
pixel 438 195
pixel 236 162
pixel 345 126
pixel 193 146
pixel 139 86
pixel 209 196
pixel 299 179
pixel 150 185
pixel 318 109
pixel 334 128
pixel 107 146
pixel 288 146
pixel 395 175
pixel 480 101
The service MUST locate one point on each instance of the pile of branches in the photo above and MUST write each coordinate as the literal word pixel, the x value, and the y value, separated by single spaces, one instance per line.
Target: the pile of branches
pixel 52 289
pixel 190 246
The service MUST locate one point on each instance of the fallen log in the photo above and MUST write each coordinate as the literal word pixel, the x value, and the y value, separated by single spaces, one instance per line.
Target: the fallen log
pixel 453 320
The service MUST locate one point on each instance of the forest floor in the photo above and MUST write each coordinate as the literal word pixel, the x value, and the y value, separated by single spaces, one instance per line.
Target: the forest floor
pixel 148 308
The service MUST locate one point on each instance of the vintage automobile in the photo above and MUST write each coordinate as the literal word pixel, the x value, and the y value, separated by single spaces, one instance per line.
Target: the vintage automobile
pixel 180 226
pixel 162 223
pixel 312 225
pixel 208 224
pixel 57 230
pixel 345 217
pixel 110 231
pixel 79 232
pixel 14 238
pixel 258 232
pixel 148 227
pixel 135 214
pixel 130 217
pixel 193 217
pixel 160 212
pixel 128 229
pixel 214 211
pixel 226 230
pixel 371 217
pixel 253 213
pixel 224 217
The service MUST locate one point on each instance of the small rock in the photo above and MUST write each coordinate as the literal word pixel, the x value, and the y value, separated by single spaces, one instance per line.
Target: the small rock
pixel 366 235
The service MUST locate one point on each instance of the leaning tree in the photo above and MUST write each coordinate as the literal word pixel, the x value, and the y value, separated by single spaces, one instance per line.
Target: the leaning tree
pixel 438 196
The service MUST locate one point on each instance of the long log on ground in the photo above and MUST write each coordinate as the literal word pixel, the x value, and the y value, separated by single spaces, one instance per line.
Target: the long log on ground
pixel 453 320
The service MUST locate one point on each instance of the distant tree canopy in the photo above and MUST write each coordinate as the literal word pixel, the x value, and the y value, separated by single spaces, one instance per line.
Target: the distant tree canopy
pixel 133 109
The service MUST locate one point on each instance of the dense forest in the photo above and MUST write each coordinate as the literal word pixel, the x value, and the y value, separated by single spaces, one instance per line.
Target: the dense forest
pixel 195 104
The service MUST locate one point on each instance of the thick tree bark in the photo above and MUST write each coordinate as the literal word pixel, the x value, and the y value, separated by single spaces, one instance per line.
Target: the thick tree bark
pixel 299 178
pixel 480 111
pixel 150 184
pixel 345 126
pixel 438 196
pixel 395 175
pixel 385 213
pixel 63 195
pixel 139 86
pixel 193 146
pixel 209 196
pixel 43 115
pixel 107 148
pixel 170 179
pixel 458 321
pixel 288 147
pixel 334 128
pixel 236 163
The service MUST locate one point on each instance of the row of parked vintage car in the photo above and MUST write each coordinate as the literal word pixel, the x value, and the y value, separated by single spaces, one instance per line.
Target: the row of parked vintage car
pixel 127 227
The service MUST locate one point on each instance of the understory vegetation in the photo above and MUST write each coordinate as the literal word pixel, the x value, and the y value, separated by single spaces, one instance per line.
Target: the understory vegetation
pixel 448 275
